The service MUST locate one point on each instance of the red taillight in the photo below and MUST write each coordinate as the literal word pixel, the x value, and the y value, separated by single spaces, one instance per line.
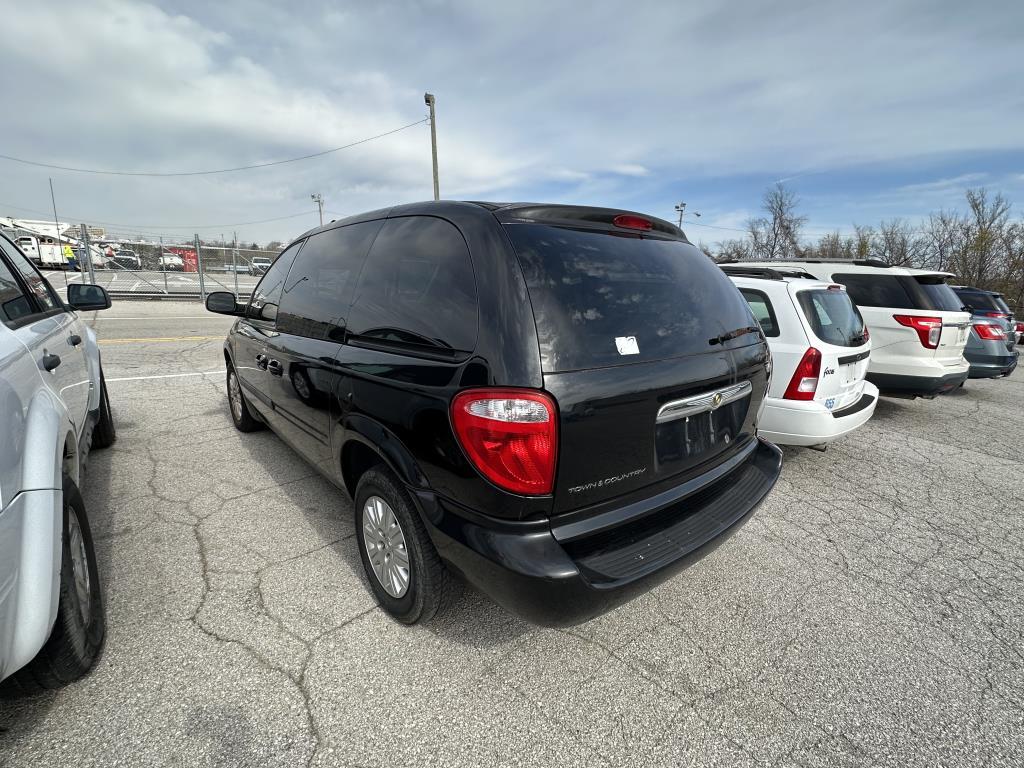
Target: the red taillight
pixel 1000 315
pixel 989 332
pixel 929 329
pixel 629 221
pixel 867 333
pixel 1020 327
pixel 510 436
pixel 804 383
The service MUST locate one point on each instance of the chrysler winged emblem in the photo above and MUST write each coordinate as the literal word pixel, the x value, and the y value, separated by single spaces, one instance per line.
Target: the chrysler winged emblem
pixel 716 400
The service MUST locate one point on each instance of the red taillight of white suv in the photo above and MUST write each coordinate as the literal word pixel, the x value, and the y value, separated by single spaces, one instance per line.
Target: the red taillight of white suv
pixel 804 383
pixel 929 329
pixel 989 332
pixel 510 436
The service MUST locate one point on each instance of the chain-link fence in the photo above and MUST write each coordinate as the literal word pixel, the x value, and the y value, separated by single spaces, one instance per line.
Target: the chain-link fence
pixel 146 269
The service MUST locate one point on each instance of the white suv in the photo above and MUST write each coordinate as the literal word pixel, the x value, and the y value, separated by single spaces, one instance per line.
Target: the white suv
pixel 918 326
pixel 53 409
pixel 820 352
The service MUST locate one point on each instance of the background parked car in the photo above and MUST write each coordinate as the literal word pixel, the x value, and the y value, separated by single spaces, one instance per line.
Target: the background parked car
pixel 53 409
pixel 170 262
pixel 127 260
pixel 260 264
pixel 991 348
pixel 917 323
pixel 820 352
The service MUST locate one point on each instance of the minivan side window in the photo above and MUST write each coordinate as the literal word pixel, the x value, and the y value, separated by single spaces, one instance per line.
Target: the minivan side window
pixel 318 290
pixel 14 304
pixel 762 309
pixel 876 291
pixel 267 296
pixel 418 287
pixel 37 286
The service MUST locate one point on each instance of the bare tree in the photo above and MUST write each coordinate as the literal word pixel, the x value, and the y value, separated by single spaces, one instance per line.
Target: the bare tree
pixel 777 236
pixel 899 244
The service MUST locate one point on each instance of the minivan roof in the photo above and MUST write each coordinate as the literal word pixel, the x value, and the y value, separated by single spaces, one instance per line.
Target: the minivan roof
pixel 506 212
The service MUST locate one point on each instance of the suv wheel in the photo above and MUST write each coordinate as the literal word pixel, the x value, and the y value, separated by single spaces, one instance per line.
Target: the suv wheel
pixel 77 635
pixel 240 413
pixel 403 568
pixel 104 434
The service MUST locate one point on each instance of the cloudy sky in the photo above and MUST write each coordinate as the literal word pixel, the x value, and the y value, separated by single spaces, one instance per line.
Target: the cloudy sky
pixel 867 110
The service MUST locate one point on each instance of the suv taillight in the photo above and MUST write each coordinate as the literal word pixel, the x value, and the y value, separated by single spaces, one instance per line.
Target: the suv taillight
pixel 989 332
pixel 804 383
pixel 1020 327
pixel 510 436
pixel 1000 315
pixel 929 329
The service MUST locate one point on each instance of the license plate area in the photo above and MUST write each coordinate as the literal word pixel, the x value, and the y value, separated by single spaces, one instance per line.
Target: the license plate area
pixel 692 439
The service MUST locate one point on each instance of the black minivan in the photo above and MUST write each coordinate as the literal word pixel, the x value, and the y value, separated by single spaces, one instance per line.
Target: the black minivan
pixel 556 403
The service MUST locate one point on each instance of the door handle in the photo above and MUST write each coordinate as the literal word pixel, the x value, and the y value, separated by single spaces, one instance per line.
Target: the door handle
pixel 50 361
pixel 275 368
pixel 261 361
pixel 74 340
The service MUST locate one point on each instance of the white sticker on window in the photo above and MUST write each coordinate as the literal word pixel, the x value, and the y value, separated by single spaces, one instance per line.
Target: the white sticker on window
pixel 627 345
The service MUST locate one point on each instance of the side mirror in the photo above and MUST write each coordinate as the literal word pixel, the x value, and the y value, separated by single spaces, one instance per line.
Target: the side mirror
pixel 223 303
pixel 88 297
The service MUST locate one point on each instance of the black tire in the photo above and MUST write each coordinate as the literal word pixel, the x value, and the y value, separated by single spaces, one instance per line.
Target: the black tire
pixel 104 434
pixel 240 413
pixel 431 586
pixel 77 635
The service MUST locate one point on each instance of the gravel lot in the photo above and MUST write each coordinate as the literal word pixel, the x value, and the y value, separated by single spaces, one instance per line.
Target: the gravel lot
pixel 870 614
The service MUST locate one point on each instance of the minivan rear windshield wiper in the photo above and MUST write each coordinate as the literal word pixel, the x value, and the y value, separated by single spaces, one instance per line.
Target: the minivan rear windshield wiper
pixel 724 337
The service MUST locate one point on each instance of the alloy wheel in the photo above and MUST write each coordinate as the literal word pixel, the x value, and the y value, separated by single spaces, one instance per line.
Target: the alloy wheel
pixel 385 546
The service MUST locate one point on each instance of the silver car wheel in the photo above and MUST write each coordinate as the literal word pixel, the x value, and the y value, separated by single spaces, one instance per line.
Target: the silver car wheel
pixel 235 396
pixel 79 566
pixel 385 546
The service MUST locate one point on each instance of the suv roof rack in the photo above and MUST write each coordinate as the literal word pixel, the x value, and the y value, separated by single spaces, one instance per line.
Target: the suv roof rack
pixel 767 273
pixel 857 262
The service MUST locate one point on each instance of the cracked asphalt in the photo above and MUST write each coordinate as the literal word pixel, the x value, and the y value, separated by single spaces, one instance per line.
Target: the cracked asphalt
pixel 870 614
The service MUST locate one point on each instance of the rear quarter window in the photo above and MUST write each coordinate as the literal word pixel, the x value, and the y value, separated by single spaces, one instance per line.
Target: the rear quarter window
pixel 763 311
pixel 601 299
pixel 939 295
pixel 417 289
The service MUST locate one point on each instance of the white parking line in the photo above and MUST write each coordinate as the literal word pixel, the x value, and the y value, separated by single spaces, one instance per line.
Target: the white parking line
pixel 167 376
pixel 162 317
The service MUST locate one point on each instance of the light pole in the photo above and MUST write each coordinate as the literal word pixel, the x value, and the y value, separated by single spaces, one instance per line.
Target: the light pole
pixel 681 210
pixel 428 99
pixel 319 200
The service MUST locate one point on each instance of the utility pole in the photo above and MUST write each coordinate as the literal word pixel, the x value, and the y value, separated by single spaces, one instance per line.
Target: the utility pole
pixel 681 210
pixel 428 98
pixel 319 200
pixel 56 225
pixel 86 247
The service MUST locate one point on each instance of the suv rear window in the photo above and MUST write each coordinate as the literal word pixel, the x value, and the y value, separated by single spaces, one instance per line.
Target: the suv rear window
pixel 869 290
pixel 602 299
pixel 941 296
pixel 833 317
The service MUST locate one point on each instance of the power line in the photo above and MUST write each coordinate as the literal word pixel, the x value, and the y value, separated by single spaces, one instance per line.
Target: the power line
pixel 209 173
pixel 154 227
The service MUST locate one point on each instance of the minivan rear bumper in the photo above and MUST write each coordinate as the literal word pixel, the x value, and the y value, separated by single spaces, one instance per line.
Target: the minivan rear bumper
pixel 557 582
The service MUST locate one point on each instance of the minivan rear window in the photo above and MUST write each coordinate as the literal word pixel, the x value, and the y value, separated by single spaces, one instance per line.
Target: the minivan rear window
pixel 603 299
pixel 940 295
pixel 833 317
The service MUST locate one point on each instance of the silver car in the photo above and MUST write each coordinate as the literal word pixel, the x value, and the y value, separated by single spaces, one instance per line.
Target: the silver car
pixel 53 409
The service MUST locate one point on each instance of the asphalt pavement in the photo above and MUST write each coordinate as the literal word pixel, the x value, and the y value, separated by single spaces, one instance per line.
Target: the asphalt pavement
pixel 870 614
